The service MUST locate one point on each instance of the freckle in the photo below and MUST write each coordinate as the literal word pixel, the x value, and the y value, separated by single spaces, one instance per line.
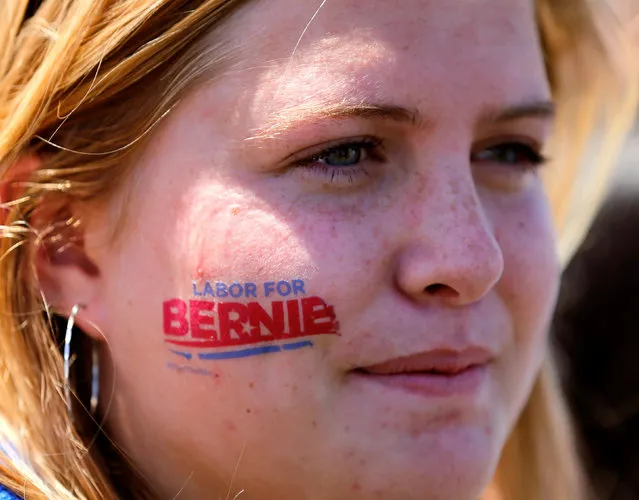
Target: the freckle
pixel 357 486
pixel 248 410
pixel 362 462
pixel 522 225
pixel 350 454
pixel 347 428
pixel 294 388
pixel 251 385
pixel 314 423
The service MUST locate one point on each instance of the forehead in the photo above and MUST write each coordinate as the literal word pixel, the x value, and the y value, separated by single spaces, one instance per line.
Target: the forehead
pixel 418 53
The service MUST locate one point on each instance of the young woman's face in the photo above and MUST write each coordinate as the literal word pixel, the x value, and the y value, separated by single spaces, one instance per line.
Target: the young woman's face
pixel 337 267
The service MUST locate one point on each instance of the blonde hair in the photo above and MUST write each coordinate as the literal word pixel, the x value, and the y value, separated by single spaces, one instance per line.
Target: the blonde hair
pixel 74 89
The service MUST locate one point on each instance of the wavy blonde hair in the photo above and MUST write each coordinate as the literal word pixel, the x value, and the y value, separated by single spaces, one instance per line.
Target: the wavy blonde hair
pixel 82 82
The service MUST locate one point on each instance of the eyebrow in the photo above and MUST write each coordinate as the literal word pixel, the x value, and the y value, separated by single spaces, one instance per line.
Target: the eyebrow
pixel 290 118
pixel 544 109
pixel 529 109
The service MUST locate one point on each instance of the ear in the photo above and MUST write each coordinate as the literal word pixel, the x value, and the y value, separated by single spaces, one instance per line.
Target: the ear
pixel 64 273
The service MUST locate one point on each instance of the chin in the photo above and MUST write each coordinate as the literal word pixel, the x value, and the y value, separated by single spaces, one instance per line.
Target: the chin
pixel 454 463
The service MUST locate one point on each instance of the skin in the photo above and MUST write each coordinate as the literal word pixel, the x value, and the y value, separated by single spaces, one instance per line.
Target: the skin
pixel 440 239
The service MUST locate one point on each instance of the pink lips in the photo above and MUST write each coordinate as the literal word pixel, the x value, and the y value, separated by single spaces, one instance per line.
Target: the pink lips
pixel 440 372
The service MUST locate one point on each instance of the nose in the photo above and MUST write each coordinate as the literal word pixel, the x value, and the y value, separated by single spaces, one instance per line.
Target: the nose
pixel 451 254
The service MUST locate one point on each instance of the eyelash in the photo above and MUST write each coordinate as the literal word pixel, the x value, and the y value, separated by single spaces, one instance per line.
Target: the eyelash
pixel 367 148
pixel 370 149
pixel 532 158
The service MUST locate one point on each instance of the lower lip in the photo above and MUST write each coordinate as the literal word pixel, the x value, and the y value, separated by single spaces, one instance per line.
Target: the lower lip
pixel 465 382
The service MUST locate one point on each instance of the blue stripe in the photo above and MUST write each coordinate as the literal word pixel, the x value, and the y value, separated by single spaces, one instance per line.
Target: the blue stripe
pixel 297 345
pixel 254 351
pixel 186 355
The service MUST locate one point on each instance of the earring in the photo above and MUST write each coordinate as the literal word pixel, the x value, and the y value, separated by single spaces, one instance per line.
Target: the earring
pixel 95 379
pixel 67 358
pixel 95 367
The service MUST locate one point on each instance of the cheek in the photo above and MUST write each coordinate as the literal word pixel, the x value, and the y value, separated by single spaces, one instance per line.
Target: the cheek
pixel 236 236
pixel 530 281
pixel 528 287
pixel 241 236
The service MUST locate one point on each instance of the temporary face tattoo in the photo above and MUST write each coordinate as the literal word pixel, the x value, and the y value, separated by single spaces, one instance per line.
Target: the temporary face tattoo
pixel 237 320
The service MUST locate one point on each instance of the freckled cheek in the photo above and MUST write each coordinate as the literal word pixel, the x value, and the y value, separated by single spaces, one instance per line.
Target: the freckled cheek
pixel 244 239
pixel 345 251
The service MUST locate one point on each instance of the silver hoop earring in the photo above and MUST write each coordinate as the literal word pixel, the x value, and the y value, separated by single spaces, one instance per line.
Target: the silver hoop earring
pixel 95 379
pixel 68 336
pixel 95 367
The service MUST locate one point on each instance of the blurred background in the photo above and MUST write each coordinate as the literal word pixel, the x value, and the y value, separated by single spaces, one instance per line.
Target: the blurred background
pixel 596 326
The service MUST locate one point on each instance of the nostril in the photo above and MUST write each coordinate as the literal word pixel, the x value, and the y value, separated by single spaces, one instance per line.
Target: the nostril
pixel 436 288
pixel 440 290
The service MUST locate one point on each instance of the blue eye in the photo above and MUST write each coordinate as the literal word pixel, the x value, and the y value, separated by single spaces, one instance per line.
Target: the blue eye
pixel 347 163
pixel 511 153
pixel 344 155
